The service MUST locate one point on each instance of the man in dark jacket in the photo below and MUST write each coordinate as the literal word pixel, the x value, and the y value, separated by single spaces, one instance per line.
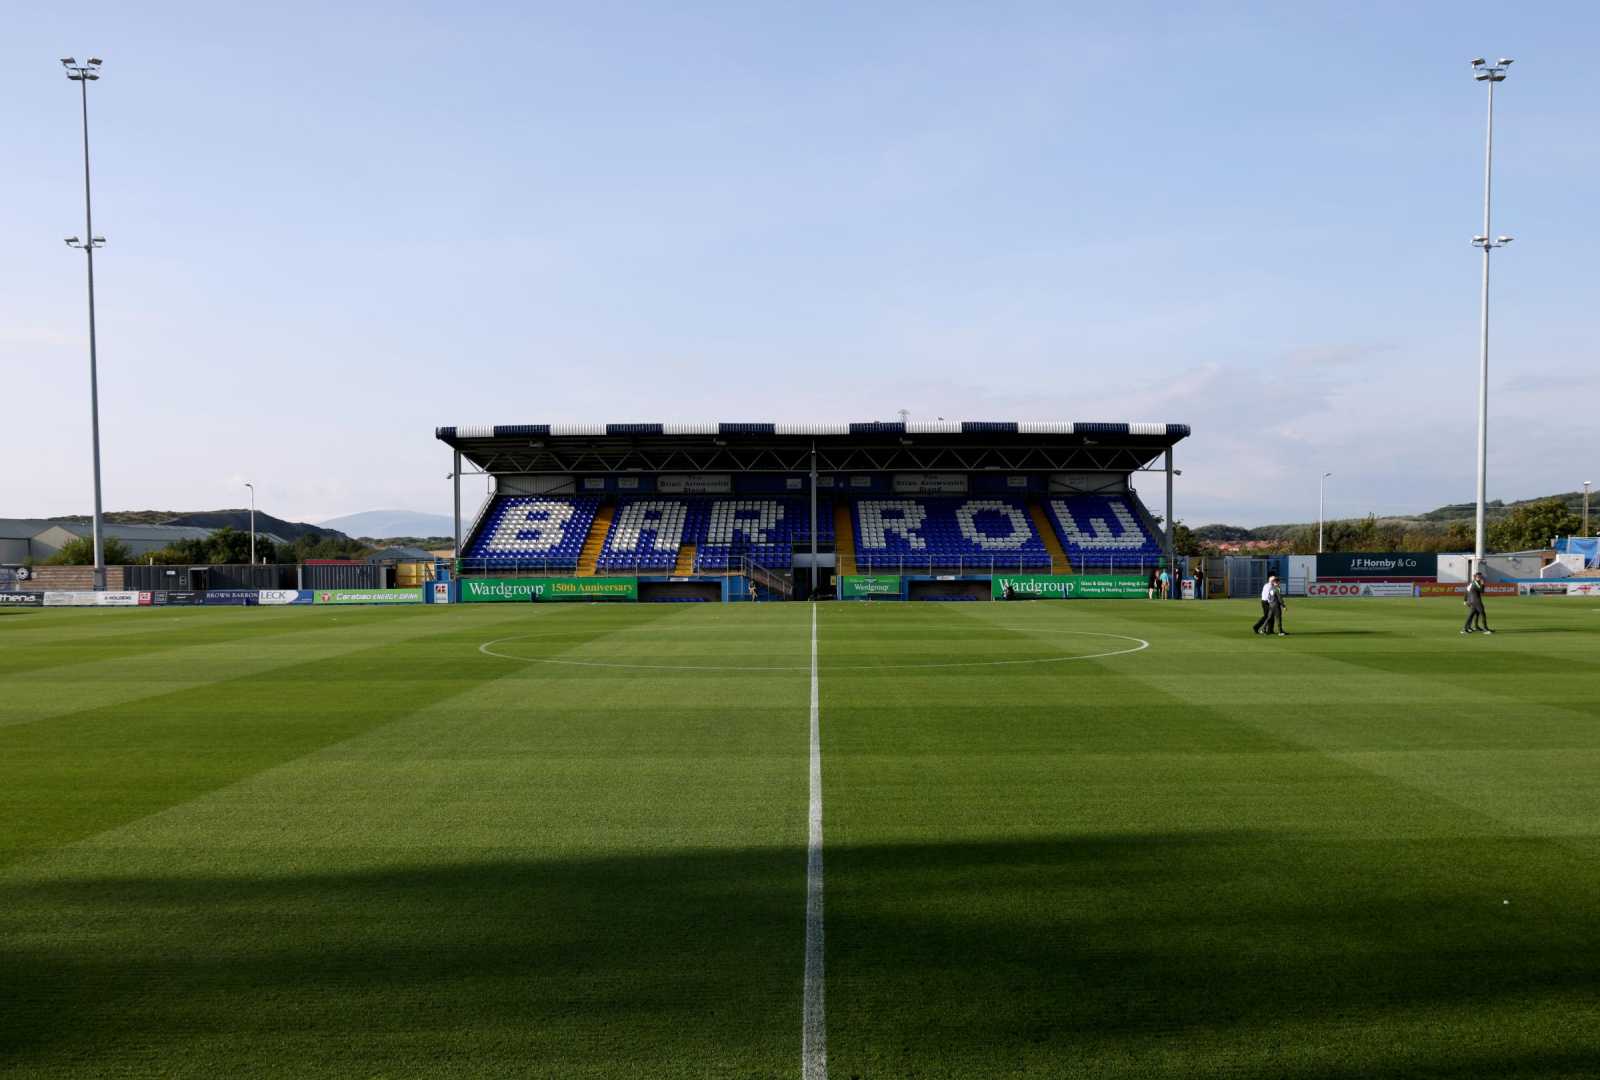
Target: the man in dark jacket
pixel 1271 608
pixel 1476 619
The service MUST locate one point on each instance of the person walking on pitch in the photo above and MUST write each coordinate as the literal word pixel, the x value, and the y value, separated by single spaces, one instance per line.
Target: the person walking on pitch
pixel 1476 619
pixel 1271 608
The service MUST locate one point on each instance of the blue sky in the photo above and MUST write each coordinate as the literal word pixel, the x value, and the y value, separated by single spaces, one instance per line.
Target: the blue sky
pixel 330 232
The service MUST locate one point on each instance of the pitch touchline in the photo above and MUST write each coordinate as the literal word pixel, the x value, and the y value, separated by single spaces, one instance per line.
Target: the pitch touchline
pixel 1139 644
pixel 813 1021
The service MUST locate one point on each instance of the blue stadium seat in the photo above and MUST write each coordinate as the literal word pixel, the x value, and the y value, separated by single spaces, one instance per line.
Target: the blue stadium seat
pixel 946 533
pixel 1103 531
pixel 543 530
pixel 647 532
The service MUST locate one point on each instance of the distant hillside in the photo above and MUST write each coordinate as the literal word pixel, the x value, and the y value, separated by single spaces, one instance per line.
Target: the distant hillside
pixel 214 519
pixel 392 524
pixel 1494 510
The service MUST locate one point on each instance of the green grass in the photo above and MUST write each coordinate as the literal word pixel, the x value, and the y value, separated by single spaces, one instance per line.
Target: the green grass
pixel 348 843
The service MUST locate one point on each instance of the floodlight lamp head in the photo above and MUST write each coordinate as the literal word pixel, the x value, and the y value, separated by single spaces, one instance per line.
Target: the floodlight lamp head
pixel 71 241
pixel 1478 61
pixel 1504 239
pixel 1502 62
pixel 95 61
pixel 67 61
pixel 1480 239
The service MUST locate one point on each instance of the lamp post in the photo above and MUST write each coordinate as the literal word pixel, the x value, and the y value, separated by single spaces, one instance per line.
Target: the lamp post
pixel 1489 74
pixel 1322 502
pixel 1586 508
pixel 252 488
pixel 83 75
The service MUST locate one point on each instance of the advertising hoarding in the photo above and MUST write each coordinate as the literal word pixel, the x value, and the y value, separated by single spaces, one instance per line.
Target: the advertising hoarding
pixel 368 596
pixel 1451 588
pixel 1361 588
pixel 231 597
pixel 1068 586
pixel 21 599
pixel 857 586
pixel 1378 565
pixel 279 597
pixel 543 589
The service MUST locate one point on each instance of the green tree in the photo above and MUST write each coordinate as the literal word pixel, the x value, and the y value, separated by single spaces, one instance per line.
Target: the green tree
pixel 1185 542
pixel 1532 526
pixel 80 552
pixel 182 552
pixel 226 546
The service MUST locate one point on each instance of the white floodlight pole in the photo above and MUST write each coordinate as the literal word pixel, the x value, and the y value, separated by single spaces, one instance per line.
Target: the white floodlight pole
pixel 1490 74
pixel 1322 502
pixel 252 488
pixel 1586 508
pixel 83 75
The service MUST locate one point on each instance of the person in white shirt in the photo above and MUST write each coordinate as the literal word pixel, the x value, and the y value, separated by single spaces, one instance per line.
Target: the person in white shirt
pixel 1271 608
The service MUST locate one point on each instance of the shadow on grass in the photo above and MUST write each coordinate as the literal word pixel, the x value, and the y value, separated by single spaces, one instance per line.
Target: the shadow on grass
pixel 1253 954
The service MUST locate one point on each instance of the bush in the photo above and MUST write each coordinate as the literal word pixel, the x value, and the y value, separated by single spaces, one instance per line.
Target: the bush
pixel 80 552
pixel 1533 525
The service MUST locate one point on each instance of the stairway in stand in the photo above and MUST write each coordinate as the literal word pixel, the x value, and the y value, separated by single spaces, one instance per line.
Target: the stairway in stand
pixel 844 541
pixel 595 540
pixel 685 564
pixel 1059 563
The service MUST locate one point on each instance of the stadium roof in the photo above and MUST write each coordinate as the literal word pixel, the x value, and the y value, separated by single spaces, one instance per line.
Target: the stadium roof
pixel 876 445
pixel 869 427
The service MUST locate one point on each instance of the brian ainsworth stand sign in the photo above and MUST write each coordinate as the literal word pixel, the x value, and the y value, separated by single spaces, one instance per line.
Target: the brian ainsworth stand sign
pixel 1066 586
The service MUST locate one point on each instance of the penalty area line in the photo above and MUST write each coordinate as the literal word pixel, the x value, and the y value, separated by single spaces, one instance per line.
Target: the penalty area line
pixel 814 1025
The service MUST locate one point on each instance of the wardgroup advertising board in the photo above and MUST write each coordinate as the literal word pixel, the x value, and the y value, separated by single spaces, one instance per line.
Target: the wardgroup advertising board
pixel 856 586
pixel 513 590
pixel 368 596
pixel 1067 586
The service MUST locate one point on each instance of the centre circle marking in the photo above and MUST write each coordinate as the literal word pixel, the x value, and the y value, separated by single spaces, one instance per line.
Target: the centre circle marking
pixel 1138 645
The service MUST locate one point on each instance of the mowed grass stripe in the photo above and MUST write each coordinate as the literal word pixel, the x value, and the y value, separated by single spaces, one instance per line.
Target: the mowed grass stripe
pixel 220 643
pixel 94 769
pixel 553 872
pixel 1106 907
pixel 145 635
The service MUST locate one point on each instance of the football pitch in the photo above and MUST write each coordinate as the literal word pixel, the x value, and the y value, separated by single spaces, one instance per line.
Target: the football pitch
pixel 1058 839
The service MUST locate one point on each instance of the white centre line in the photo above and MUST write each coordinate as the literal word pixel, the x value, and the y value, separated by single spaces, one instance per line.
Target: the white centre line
pixel 814 1023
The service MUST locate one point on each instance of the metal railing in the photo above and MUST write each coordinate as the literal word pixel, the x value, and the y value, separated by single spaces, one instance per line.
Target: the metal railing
pixel 780 583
